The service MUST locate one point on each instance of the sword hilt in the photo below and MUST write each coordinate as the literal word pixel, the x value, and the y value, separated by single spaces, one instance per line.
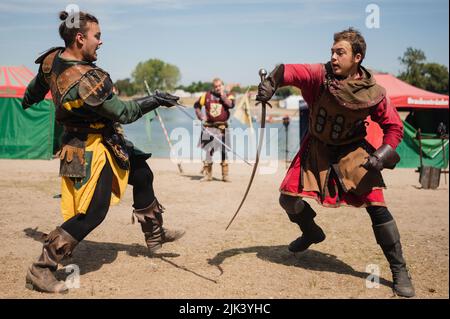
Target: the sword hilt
pixel 262 74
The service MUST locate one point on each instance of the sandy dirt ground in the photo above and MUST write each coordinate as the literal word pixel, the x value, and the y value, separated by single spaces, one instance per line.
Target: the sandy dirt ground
pixel 250 260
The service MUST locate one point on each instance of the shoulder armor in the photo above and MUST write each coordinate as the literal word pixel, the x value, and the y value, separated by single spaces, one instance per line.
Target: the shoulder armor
pixel 70 77
pixel 95 87
pixel 43 55
pixel 46 59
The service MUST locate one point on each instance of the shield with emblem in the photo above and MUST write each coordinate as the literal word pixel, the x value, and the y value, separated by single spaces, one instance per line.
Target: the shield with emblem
pixel 215 109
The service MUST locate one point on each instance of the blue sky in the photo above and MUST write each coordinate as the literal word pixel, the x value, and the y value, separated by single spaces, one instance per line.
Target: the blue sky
pixel 230 39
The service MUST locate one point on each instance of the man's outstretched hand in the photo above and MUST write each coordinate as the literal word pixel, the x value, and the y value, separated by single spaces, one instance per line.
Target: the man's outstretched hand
pixel 166 99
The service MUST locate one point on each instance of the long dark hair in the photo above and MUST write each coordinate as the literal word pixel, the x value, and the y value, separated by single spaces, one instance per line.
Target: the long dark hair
pixel 68 32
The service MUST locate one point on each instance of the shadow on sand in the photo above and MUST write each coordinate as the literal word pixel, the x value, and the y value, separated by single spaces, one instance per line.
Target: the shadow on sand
pixel 199 177
pixel 310 259
pixel 91 256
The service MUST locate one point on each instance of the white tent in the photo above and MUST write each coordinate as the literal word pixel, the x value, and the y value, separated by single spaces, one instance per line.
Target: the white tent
pixel 197 94
pixel 182 93
pixel 291 102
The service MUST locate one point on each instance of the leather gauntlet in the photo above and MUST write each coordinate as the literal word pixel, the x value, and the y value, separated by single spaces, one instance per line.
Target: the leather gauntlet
pixel 268 87
pixel 383 157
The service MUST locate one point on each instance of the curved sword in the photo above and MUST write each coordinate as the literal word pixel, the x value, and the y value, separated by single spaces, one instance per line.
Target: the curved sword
pixel 262 74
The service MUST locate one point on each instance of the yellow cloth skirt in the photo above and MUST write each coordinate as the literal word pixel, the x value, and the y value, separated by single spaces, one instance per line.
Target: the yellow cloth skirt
pixel 76 195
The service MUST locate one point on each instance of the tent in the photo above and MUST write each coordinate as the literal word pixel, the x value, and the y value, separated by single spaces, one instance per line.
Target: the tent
pixel 292 102
pixel 24 134
pixel 427 111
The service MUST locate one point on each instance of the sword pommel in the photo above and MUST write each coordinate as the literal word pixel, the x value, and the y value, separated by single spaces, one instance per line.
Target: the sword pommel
pixel 262 74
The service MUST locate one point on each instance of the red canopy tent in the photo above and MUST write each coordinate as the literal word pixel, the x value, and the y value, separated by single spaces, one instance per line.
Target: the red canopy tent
pixel 14 81
pixel 403 95
pixel 24 133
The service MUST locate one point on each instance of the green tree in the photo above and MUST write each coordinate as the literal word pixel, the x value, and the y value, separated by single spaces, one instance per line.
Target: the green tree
pixel 238 89
pixel 436 76
pixel 158 74
pixel 286 91
pixel 125 87
pixel 196 87
pixel 428 76
pixel 413 60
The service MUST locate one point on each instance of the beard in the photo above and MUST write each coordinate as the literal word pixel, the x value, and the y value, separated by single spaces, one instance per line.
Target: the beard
pixel 89 57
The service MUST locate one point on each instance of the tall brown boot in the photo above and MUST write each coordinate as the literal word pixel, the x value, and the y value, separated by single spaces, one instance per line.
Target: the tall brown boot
pixel 388 237
pixel 40 277
pixel 225 171
pixel 207 172
pixel 151 221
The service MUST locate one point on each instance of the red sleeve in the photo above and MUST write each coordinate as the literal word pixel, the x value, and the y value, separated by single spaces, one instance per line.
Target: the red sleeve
pixel 387 117
pixel 307 77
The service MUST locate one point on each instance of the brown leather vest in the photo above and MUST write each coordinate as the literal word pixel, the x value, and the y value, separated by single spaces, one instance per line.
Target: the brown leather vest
pixel 335 124
pixel 319 159
pixel 61 77
pixel 337 143
pixel 338 115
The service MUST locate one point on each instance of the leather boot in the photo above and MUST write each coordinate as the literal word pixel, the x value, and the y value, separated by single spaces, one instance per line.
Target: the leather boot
pixel 225 171
pixel 311 232
pixel 40 277
pixel 388 238
pixel 207 172
pixel 151 221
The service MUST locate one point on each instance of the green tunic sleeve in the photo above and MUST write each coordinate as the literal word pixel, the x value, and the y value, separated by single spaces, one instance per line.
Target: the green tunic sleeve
pixel 36 90
pixel 118 110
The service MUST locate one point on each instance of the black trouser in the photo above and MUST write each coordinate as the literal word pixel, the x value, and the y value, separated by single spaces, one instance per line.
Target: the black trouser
pixel 141 178
pixel 378 214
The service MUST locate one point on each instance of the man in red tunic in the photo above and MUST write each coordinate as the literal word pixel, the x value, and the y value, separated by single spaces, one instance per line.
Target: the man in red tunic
pixel 217 105
pixel 336 165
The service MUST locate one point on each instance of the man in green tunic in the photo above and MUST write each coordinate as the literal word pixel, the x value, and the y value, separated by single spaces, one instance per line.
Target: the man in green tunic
pixel 96 161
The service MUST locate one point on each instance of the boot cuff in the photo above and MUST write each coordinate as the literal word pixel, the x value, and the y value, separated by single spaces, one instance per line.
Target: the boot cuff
pixel 62 239
pixel 149 212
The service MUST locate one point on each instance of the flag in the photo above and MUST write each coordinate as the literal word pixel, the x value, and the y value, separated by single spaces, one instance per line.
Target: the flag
pixel 242 112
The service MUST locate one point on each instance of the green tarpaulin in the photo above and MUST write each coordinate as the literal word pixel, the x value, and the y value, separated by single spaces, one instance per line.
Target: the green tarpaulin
pixel 26 134
pixel 432 154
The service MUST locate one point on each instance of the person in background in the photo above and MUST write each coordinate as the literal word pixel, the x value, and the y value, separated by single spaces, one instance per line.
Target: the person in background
pixel 217 104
